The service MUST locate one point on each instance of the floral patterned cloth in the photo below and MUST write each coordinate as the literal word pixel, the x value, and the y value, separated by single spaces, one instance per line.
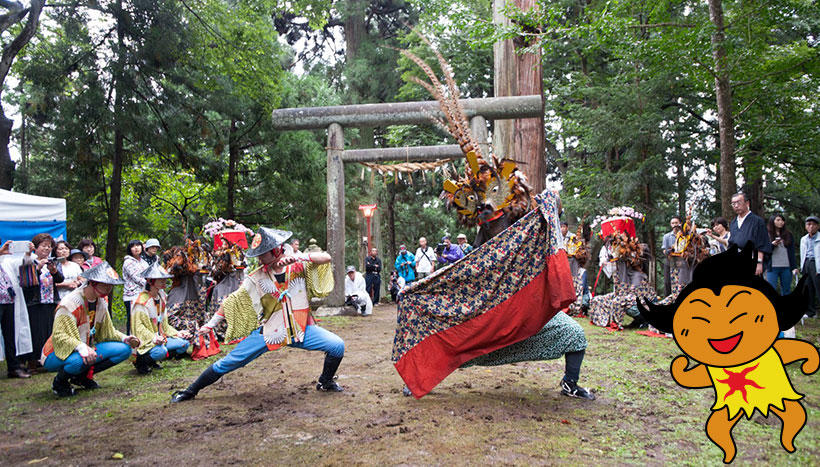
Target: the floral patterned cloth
pixel 582 295
pixel 186 307
pixel 559 336
pixel 608 310
pixel 46 286
pixel 500 268
pixel 5 288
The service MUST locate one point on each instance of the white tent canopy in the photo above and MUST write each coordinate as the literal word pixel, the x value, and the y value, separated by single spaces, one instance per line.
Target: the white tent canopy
pixel 22 216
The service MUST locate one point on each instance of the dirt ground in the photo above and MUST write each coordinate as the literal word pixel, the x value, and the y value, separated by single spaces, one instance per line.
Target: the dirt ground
pixel 269 412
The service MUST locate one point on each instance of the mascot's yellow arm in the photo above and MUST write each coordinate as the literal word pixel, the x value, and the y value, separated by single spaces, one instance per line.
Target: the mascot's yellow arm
pixel 791 350
pixel 696 377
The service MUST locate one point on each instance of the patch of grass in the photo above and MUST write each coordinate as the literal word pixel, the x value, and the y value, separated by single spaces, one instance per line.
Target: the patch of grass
pixel 510 414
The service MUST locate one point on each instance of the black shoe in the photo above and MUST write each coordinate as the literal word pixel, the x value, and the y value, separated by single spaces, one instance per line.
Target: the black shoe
pixel 143 364
pixel 406 392
pixel 332 386
pixel 326 382
pixel 60 386
pixel 205 379
pixel 155 365
pixel 181 396
pixel 18 373
pixel 84 381
pixel 571 389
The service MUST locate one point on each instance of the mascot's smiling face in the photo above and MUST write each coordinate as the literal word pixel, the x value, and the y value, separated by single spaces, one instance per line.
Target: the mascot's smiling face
pixel 729 329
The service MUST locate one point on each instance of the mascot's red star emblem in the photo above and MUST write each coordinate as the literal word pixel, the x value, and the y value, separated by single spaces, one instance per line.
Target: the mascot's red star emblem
pixel 737 381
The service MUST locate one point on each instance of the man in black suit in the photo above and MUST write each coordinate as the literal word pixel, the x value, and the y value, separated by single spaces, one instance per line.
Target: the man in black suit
pixel 749 227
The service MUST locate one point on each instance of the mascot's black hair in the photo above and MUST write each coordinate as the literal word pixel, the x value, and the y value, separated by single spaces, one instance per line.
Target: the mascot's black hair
pixel 732 267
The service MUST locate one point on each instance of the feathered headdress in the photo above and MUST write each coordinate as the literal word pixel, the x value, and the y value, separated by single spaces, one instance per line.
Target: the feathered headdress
pixel 488 187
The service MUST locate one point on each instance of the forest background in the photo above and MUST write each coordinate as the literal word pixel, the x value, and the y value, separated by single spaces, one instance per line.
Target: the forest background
pixel 153 117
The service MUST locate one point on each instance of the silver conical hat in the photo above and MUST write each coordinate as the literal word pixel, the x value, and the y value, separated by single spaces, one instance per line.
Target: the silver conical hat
pixel 155 271
pixel 104 274
pixel 266 240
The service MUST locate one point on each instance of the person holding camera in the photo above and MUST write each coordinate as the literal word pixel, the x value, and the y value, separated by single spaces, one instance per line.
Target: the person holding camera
pixel 425 259
pixel 41 298
pixel 718 236
pixel 405 264
pixel 447 253
pixel 356 292
pixel 781 265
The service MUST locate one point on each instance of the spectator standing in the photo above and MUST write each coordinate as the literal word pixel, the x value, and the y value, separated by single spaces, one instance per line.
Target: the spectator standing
pixel 132 267
pixel 294 244
pixel 781 265
pixel 396 284
pixel 356 293
pixel 749 227
pixel 809 255
pixel 425 259
pixel 71 271
pixel 718 236
pixel 89 248
pixel 10 324
pixel 372 278
pixel 41 298
pixel 668 247
pixel 405 264
pixel 462 243
pixel 449 253
pixel 150 250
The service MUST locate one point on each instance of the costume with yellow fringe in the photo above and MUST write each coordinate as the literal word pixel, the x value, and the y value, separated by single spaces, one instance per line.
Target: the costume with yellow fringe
pixel 270 311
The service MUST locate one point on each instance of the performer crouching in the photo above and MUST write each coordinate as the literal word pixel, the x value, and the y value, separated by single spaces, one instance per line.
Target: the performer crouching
pixel 82 317
pixel 272 310
pixel 150 321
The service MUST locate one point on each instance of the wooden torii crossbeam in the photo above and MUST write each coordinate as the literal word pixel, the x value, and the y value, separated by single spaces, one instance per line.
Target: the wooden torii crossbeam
pixel 336 118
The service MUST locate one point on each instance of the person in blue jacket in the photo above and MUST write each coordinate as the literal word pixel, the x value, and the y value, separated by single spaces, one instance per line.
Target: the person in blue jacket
pixel 406 265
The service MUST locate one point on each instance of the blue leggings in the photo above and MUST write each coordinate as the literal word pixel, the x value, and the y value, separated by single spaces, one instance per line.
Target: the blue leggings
pixel 254 345
pixel 116 352
pixel 174 345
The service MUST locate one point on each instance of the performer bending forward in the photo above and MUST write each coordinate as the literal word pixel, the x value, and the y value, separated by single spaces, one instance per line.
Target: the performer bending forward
pixel 272 309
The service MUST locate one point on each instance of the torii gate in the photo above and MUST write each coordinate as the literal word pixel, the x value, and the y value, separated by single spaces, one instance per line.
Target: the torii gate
pixel 336 118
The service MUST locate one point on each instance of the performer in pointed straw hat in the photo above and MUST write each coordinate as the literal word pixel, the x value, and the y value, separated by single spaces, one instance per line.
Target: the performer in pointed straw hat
pixel 271 310
pixel 84 341
pixel 159 339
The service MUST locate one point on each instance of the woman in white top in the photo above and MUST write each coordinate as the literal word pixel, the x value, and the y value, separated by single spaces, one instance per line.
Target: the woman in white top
pixel 132 268
pixel 71 270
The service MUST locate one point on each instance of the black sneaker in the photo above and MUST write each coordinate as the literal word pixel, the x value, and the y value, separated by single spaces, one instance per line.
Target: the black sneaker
pixel 329 387
pixel 84 382
pixel 155 365
pixel 406 392
pixel 571 389
pixel 62 388
pixel 180 396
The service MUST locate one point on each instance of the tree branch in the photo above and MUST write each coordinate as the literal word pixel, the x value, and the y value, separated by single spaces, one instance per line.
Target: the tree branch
pixel 11 51
pixel 661 25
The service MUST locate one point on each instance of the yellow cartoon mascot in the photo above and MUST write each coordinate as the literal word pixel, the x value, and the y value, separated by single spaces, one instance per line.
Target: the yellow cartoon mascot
pixel 727 320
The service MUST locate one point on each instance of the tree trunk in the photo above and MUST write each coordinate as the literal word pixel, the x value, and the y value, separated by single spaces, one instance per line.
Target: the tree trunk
pixel 753 187
pixel 391 222
pixel 233 160
pixel 680 180
pixel 519 75
pixel 10 51
pixel 723 92
pixel 6 164
pixel 115 186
